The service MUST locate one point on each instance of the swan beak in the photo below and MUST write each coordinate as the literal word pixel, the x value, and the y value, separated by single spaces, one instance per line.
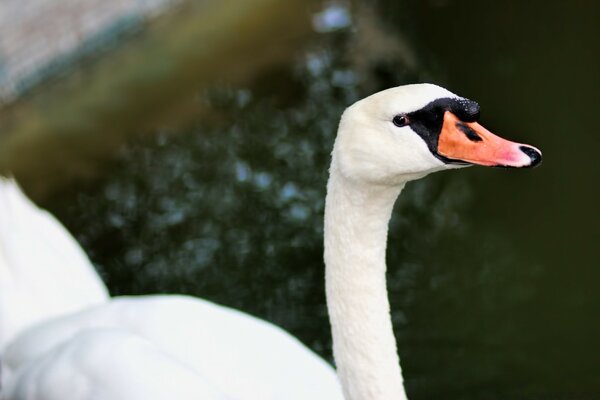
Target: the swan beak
pixel 469 142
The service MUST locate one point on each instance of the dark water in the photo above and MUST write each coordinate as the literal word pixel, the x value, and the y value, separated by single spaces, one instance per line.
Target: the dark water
pixel 493 274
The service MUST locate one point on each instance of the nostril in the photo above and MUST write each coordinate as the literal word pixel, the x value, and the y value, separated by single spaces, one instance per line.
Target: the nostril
pixel 533 154
pixel 469 132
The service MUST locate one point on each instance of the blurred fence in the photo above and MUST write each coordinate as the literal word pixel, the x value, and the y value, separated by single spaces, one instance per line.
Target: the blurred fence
pixel 41 38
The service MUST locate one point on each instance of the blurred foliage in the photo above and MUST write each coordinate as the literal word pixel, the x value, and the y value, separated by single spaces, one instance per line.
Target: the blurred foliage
pixel 148 80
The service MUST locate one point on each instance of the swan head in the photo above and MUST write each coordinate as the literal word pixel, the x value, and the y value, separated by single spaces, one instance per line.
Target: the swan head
pixel 407 132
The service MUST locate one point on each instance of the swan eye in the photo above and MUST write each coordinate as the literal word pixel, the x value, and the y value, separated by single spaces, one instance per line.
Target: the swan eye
pixel 400 120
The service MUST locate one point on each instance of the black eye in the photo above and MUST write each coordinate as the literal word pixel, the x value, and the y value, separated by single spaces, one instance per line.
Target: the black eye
pixel 400 120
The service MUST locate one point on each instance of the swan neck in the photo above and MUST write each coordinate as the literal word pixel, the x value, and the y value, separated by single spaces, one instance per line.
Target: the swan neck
pixel 364 346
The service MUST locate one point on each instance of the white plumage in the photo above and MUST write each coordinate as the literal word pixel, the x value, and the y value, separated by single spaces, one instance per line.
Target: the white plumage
pixel 43 271
pixel 240 356
pixel 108 364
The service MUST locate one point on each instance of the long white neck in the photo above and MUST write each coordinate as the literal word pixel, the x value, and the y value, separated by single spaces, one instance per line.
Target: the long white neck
pixel 364 346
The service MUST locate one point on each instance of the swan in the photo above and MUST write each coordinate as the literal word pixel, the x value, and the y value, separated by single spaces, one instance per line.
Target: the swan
pixel 383 142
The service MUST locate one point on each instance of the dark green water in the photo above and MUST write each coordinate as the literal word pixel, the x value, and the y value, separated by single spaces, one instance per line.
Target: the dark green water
pixel 493 274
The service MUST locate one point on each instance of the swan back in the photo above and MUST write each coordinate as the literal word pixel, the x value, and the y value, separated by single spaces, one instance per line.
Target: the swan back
pixel 43 270
pixel 136 370
pixel 245 357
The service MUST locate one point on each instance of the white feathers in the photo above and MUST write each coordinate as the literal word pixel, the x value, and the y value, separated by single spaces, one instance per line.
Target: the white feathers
pixel 43 271
pixel 236 355
pixel 108 364
pixel 402 99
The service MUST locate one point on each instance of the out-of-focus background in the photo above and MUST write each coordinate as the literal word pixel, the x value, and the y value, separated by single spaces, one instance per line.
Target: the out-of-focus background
pixel 186 145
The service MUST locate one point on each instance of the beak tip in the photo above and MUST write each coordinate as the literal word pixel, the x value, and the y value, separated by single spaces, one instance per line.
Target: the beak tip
pixel 534 155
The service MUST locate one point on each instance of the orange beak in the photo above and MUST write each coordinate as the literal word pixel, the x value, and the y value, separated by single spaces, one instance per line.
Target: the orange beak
pixel 471 143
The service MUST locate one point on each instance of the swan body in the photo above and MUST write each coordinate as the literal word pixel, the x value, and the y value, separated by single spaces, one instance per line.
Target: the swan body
pixel 383 142
pixel 72 334
pixel 85 367
pixel 242 357
pixel 43 271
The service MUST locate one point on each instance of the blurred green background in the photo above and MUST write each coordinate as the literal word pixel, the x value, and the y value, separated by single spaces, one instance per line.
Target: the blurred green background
pixel 188 153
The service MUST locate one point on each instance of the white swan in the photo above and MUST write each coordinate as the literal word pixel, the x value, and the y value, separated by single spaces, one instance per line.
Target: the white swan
pixel 383 142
